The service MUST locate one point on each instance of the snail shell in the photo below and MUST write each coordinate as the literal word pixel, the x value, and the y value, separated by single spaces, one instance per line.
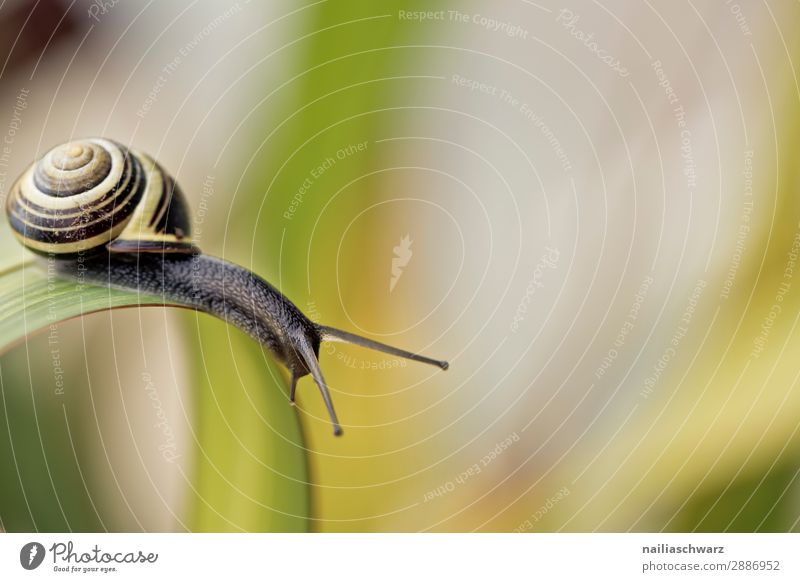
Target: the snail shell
pixel 95 194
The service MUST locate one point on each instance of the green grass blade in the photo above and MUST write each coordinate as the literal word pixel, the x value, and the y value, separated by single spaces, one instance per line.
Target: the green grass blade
pixel 251 468
pixel 32 300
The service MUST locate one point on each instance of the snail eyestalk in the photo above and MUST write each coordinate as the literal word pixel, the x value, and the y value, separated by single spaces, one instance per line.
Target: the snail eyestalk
pixel 127 219
pixel 332 334
pixel 313 365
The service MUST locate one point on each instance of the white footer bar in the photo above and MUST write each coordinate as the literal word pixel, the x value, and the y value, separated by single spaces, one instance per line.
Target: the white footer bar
pixel 355 557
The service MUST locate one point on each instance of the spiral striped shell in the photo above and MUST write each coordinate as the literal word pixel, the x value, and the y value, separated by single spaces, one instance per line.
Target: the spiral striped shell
pixel 94 194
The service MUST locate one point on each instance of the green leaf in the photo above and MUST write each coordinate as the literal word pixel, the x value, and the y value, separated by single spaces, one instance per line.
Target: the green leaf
pixel 251 467
pixel 251 472
pixel 31 300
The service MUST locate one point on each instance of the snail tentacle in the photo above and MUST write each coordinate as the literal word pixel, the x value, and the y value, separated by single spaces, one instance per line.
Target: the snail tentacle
pixel 310 356
pixel 332 334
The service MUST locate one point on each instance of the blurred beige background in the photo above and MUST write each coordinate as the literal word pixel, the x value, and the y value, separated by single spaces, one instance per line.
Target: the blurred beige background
pixel 601 204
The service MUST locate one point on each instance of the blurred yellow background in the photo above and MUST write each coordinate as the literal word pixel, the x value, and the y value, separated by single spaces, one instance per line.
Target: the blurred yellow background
pixel 590 211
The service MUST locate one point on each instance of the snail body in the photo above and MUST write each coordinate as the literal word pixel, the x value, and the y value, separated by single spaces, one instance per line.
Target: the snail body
pixel 123 219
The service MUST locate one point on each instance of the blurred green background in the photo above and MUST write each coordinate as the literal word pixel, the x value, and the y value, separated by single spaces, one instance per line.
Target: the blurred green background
pixel 601 203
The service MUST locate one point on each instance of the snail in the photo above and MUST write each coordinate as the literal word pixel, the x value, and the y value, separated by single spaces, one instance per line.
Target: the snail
pixel 112 216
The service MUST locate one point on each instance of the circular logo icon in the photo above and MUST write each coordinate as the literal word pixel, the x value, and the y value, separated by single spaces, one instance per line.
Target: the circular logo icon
pixel 31 555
